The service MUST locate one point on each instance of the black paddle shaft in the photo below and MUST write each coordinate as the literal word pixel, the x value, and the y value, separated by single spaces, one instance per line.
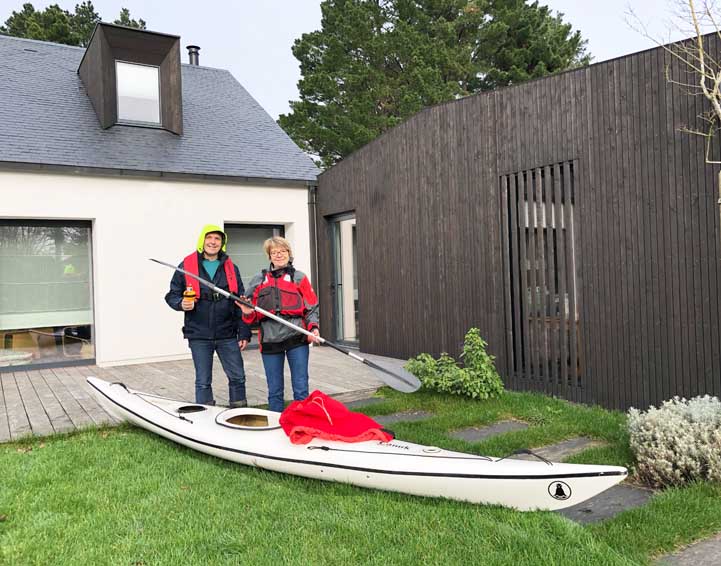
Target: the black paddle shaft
pixel 400 380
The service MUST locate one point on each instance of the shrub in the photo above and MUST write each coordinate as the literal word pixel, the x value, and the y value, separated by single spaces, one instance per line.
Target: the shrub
pixel 679 442
pixel 477 378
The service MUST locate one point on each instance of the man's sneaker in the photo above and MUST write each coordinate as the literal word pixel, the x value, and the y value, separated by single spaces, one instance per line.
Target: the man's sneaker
pixel 238 404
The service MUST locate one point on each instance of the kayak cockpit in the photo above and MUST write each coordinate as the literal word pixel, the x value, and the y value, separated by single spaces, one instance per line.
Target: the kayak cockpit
pixel 248 419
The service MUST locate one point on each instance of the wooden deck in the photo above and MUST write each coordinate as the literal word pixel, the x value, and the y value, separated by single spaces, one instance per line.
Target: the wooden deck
pixel 49 401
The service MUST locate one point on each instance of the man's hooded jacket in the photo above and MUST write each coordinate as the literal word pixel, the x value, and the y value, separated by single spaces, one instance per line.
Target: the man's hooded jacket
pixel 214 317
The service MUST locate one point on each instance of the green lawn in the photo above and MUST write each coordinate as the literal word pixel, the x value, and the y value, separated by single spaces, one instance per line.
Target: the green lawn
pixel 124 496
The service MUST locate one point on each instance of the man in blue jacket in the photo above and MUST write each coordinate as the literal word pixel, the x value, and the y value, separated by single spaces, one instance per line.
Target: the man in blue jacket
pixel 213 323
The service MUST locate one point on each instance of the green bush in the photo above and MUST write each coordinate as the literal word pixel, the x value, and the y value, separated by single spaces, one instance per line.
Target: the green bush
pixel 678 443
pixel 477 378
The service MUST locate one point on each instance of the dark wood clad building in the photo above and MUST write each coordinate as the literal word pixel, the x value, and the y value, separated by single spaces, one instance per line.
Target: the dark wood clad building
pixel 568 218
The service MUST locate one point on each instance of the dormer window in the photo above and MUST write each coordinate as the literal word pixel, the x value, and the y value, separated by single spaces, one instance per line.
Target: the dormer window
pixel 133 78
pixel 138 93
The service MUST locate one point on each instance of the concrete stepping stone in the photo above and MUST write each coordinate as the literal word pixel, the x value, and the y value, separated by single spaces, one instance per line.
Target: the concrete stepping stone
pixel 474 434
pixel 702 553
pixel 347 397
pixel 402 417
pixel 608 504
pixel 562 450
pixel 364 402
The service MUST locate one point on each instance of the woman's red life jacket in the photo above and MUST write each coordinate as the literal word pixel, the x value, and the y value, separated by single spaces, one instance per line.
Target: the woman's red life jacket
pixel 190 263
pixel 279 295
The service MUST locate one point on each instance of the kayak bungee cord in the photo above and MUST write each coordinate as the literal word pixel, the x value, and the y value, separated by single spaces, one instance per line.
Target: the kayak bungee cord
pixel 529 452
pixel 397 378
pixel 142 398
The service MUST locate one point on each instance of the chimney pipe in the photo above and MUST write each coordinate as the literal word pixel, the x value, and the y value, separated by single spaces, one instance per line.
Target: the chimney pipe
pixel 193 54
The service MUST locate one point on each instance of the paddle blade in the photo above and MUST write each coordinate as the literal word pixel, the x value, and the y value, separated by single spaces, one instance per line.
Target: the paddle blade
pixel 394 376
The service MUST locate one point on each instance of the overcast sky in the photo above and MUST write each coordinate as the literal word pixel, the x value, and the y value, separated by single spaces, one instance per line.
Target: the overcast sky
pixel 253 38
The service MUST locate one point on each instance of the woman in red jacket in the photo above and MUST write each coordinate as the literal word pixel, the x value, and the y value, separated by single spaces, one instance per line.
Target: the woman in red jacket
pixel 286 292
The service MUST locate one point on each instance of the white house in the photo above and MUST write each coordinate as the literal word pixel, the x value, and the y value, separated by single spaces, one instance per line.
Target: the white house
pixel 116 154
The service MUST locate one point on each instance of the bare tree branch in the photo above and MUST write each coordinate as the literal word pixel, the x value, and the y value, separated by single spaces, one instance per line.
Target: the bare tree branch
pixel 694 56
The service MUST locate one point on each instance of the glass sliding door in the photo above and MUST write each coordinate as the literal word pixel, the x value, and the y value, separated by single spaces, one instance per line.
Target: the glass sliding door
pixel 46 313
pixel 345 279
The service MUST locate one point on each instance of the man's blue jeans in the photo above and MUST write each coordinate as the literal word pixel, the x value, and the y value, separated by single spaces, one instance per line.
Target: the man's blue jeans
pixel 274 364
pixel 232 362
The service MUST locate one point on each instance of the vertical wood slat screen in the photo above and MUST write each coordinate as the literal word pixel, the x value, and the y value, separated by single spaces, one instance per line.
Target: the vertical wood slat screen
pixel 542 311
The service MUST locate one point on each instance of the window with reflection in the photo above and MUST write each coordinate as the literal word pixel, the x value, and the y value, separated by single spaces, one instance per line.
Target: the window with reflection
pixel 138 93
pixel 46 314
pixel 245 246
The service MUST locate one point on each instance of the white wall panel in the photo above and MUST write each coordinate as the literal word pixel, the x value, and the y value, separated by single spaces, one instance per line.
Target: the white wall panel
pixel 134 219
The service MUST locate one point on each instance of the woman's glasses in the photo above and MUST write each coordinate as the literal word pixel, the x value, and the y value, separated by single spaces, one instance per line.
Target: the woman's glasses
pixel 276 253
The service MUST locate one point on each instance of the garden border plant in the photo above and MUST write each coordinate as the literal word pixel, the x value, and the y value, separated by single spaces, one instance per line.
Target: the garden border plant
pixel 677 443
pixel 477 377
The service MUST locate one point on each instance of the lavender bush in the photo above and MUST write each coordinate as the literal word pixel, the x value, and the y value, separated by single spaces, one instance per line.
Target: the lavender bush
pixel 679 442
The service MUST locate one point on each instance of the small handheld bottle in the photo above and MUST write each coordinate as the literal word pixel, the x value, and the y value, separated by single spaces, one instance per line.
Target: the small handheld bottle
pixel 189 293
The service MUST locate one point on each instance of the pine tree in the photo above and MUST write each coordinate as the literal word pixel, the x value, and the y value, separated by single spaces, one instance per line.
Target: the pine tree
pixel 374 63
pixel 60 26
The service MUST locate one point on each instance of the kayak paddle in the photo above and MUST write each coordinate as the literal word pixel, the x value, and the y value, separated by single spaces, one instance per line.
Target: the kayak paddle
pixel 397 378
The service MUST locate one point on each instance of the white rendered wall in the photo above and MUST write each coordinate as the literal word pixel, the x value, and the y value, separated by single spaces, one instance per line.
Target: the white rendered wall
pixel 135 219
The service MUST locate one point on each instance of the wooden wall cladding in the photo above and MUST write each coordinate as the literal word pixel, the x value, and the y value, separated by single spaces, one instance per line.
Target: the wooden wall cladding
pixel 433 200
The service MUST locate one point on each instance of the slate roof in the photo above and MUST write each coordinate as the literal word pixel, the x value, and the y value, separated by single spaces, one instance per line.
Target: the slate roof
pixel 46 118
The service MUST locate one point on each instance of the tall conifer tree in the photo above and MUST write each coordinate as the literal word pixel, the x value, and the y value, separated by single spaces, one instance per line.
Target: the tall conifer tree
pixel 374 63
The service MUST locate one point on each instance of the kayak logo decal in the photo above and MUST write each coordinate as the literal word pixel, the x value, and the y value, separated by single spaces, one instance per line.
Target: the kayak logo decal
pixel 559 490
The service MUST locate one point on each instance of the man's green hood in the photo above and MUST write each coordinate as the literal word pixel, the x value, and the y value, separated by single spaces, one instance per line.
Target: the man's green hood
pixel 207 229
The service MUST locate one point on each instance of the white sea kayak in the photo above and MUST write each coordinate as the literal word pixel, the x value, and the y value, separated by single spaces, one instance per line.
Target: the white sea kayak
pixel 254 437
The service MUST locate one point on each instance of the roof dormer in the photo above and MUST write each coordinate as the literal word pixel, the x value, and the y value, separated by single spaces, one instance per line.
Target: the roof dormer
pixel 133 77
